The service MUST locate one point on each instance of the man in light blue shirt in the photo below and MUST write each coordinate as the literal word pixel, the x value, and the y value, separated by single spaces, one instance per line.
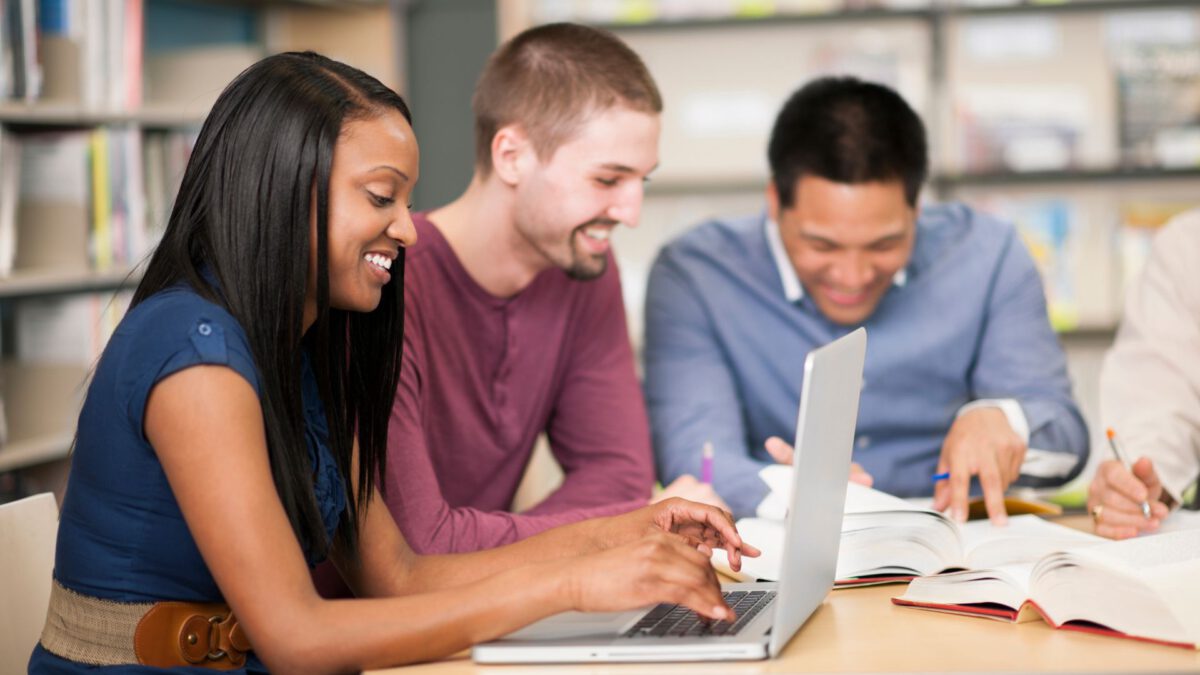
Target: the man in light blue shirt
pixel 963 374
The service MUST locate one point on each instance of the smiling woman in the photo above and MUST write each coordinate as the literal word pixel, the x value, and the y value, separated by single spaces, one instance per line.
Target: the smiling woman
pixel 236 424
pixel 370 184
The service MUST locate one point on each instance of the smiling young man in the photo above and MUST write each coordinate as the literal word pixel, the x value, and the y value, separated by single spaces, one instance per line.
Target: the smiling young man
pixel 963 372
pixel 514 322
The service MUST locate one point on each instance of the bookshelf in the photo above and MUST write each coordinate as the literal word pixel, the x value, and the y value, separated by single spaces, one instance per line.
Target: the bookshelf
pixel 29 284
pixel 73 115
pixel 168 60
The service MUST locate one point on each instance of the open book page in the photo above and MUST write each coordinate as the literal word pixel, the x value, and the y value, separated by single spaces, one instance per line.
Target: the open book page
pixel 1179 520
pixel 1000 561
pixel 882 550
pixel 1006 585
pixel 1179 584
pixel 1023 540
pixel 767 535
pixel 1145 587
pixel 885 537
pixel 862 499
pixel 882 535
pixel 897 544
pixel 859 498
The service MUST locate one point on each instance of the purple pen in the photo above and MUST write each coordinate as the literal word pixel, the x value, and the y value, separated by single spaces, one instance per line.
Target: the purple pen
pixel 706 463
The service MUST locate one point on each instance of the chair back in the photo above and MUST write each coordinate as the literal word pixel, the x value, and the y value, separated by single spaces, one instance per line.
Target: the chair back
pixel 28 529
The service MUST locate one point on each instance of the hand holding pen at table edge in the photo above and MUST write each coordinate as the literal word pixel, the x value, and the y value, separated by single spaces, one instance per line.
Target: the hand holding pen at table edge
pixel 982 443
pixel 688 487
pixel 1126 499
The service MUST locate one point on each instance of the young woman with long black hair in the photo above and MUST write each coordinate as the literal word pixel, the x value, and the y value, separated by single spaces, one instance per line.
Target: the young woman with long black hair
pixel 236 423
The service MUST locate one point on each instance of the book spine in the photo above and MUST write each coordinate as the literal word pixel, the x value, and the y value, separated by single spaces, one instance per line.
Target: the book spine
pixel 102 258
pixel 132 61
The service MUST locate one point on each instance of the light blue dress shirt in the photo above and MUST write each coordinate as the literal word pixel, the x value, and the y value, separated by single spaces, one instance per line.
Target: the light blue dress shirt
pixel 725 348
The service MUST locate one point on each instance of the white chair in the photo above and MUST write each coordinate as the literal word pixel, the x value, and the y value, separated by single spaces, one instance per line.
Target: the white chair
pixel 28 529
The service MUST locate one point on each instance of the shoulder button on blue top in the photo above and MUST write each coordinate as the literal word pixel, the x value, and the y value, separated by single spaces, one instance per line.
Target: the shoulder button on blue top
pixel 205 329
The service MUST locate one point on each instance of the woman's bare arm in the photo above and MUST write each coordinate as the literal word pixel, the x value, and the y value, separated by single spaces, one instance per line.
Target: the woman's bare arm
pixel 206 426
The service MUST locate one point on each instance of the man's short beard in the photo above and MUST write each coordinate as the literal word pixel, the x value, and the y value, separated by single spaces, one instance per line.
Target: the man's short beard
pixel 579 269
pixel 580 272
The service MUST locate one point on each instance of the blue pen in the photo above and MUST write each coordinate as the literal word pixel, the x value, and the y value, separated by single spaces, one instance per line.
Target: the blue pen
pixel 940 476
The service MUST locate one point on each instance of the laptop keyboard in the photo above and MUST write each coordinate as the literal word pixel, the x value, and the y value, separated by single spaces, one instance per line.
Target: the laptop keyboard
pixel 668 620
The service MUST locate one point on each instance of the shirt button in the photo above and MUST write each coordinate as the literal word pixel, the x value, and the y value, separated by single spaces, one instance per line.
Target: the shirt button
pixel 863 442
pixel 204 329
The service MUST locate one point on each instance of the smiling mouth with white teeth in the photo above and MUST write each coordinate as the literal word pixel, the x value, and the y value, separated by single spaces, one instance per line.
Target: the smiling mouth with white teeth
pixel 597 233
pixel 381 261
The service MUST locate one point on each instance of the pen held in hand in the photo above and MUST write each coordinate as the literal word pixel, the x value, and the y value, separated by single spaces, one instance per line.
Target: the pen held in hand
pixel 1119 451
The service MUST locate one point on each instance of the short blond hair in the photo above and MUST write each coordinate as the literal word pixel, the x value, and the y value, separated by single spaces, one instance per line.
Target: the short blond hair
pixel 549 78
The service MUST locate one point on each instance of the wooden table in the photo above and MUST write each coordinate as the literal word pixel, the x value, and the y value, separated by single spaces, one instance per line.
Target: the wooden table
pixel 859 630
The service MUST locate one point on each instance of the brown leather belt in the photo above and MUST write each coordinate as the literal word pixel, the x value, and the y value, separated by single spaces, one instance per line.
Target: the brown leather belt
pixel 100 632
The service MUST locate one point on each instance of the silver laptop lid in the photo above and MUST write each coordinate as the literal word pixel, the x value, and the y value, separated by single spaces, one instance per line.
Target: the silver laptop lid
pixel 821 467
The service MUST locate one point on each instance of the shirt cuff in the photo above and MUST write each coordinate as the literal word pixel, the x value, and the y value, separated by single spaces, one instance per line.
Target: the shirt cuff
pixel 1037 463
pixel 1011 409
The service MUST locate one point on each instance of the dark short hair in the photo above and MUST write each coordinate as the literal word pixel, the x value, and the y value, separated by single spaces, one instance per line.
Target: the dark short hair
pixel 847 131
pixel 550 78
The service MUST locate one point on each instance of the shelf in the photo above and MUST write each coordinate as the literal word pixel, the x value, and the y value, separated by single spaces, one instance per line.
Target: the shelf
pixel 56 282
pixel 772 19
pixel 938 182
pixel 685 186
pixel 1064 7
pixel 34 451
pixel 878 14
pixel 71 115
pixel 945 181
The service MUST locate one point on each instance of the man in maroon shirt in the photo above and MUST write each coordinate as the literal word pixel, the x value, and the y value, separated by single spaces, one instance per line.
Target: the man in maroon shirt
pixel 514 322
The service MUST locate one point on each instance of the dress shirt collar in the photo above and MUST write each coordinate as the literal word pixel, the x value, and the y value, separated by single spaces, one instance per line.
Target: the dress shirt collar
pixel 793 290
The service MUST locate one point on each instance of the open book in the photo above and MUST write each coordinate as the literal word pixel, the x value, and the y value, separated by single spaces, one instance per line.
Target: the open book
pixel 1145 589
pixel 886 539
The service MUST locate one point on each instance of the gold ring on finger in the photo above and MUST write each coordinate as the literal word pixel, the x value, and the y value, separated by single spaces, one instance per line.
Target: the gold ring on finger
pixel 1097 513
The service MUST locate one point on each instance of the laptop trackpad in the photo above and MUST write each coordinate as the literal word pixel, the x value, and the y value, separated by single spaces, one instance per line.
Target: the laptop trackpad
pixel 573 625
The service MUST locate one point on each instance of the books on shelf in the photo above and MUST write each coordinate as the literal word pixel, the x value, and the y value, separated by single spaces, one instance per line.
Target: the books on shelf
pixel 69 329
pixel 41 407
pixel 1139 222
pixel 20 68
pixel 10 178
pixel 1051 228
pixel 647 11
pixel 52 202
pixel 191 78
pixel 1144 588
pixel 1158 104
pixel 887 539
pixel 84 199
pixel 1021 128
pixel 90 53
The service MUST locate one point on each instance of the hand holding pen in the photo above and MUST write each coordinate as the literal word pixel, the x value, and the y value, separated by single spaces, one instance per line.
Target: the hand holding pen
pixel 689 488
pixel 1125 499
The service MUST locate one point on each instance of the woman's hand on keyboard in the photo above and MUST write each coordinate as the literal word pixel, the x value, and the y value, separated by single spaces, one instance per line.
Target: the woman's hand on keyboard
pixel 699 526
pixel 658 567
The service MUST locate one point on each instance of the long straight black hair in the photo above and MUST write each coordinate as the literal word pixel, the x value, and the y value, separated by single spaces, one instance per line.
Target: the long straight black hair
pixel 261 164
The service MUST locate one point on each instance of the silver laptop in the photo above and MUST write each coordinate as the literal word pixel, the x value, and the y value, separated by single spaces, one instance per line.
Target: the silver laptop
pixel 768 613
